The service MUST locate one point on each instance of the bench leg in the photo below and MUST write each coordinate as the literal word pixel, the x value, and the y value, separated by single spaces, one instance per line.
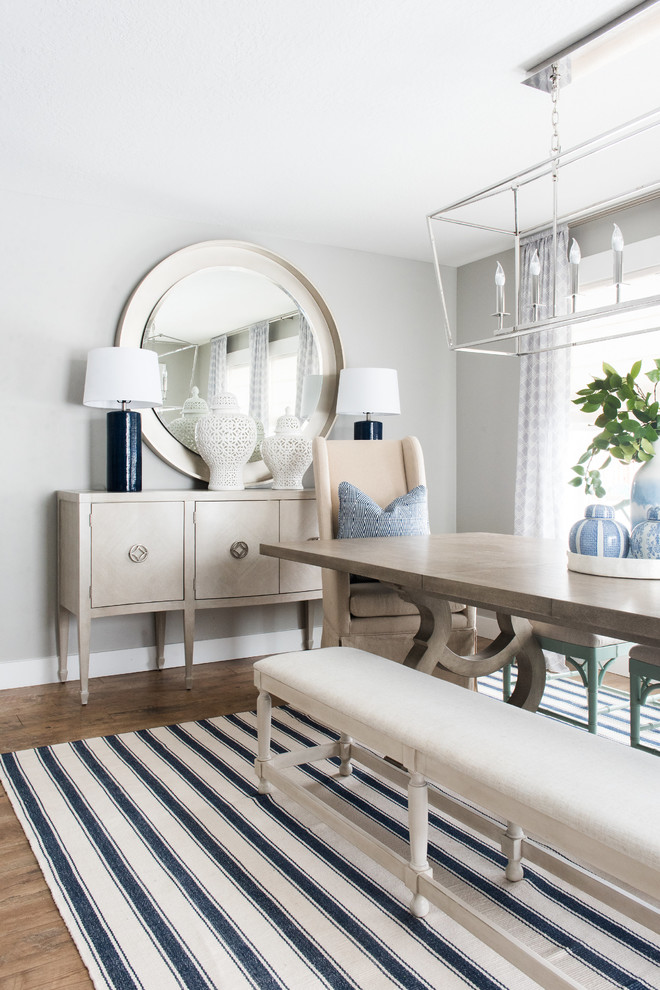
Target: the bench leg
pixel 418 829
pixel 264 710
pixel 345 744
pixel 511 844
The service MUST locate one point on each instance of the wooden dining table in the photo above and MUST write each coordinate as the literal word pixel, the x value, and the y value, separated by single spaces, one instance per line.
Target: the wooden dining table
pixel 518 578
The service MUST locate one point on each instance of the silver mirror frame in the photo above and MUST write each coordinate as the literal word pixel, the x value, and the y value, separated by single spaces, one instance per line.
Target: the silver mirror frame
pixel 232 254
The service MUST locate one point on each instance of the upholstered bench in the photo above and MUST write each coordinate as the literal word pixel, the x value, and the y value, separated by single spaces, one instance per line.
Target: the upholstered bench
pixel 591 799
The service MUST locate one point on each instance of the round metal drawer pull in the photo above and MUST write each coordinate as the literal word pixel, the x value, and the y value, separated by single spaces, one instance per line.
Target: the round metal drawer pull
pixel 138 553
pixel 239 549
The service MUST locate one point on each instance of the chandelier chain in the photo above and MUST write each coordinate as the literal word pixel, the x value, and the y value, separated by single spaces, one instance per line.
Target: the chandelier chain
pixel 555 146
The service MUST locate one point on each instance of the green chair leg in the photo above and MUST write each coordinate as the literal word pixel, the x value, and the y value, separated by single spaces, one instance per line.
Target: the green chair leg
pixel 593 682
pixel 506 682
pixel 635 706
pixel 590 664
pixel 644 670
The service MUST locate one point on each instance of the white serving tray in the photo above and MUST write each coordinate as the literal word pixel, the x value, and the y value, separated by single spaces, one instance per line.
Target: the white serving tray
pixel 621 567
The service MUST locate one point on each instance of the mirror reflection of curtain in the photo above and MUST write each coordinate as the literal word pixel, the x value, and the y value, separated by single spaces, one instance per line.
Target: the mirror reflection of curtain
pixel 544 397
pixel 217 366
pixel 308 361
pixel 258 336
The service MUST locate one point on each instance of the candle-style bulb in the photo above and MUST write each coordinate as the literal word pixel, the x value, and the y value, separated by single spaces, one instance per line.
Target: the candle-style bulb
pixel 500 310
pixel 617 239
pixel 535 264
pixel 574 255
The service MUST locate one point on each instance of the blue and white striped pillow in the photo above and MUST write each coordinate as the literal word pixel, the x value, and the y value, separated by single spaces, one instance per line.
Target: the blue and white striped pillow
pixel 360 516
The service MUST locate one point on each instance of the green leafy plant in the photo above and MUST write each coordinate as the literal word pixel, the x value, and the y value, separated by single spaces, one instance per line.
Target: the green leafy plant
pixel 628 422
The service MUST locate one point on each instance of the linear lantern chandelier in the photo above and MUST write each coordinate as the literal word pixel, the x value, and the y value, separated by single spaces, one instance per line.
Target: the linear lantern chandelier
pixel 491 226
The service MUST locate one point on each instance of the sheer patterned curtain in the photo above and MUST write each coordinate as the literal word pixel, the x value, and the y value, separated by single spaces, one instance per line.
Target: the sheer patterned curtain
pixel 258 335
pixel 544 397
pixel 217 366
pixel 308 361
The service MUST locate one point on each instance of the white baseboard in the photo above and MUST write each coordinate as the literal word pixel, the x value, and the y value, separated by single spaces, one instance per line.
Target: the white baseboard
pixel 488 628
pixel 28 673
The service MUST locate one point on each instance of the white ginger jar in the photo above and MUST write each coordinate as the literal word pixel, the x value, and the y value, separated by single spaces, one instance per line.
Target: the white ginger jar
pixel 287 454
pixel 183 428
pixel 225 441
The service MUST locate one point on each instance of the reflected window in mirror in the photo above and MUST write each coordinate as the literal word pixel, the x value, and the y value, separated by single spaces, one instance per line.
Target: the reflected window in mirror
pixel 263 364
pixel 231 316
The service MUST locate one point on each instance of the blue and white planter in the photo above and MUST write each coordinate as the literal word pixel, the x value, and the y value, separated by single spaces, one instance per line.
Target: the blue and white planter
pixel 599 534
pixel 645 537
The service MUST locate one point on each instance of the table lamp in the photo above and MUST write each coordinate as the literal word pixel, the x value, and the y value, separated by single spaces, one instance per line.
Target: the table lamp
pixel 371 392
pixel 118 377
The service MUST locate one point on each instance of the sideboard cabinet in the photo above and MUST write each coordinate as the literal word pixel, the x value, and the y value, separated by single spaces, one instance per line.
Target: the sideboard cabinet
pixel 161 551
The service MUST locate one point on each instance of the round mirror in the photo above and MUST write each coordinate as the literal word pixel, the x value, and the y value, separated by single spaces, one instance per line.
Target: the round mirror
pixel 225 316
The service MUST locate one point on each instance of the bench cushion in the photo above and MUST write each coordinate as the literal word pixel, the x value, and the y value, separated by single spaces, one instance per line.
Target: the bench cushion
pixel 598 788
pixel 578 637
pixel 648 654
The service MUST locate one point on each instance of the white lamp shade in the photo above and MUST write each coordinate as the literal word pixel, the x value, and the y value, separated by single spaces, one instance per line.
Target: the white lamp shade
pixel 368 390
pixel 122 374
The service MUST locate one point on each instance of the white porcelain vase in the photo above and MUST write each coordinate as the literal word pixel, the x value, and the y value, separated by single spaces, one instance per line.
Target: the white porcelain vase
pixel 183 428
pixel 225 440
pixel 645 488
pixel 287 454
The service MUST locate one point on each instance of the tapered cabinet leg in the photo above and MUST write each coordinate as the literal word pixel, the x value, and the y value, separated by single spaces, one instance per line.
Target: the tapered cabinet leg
pixel 189 643
pixel 63 620
pixel 160 619
pixel 308 615
pixel 84 629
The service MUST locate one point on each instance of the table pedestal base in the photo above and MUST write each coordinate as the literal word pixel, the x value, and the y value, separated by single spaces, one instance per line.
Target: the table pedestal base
pixel 516 639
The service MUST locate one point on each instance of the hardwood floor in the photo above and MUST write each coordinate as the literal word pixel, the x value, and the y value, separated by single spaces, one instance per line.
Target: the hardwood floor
pixel 36 950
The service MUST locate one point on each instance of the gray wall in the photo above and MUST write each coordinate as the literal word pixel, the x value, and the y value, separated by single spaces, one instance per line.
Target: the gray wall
pixel 486 409
pixel 68 269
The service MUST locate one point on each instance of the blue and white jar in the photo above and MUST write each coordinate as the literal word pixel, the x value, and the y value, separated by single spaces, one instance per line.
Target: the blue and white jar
pixel 599 534
pixel 645 537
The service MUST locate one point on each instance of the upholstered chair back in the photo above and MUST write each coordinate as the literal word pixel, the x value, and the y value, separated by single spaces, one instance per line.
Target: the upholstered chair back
pixel 382 469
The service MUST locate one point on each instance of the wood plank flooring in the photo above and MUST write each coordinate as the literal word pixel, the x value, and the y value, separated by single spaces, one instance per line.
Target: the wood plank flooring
pixel 36 950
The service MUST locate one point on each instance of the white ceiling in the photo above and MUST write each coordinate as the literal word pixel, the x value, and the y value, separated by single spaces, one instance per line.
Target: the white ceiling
pixel 341 122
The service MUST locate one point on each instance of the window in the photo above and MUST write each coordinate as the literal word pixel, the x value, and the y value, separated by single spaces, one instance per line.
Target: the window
pixel 586 363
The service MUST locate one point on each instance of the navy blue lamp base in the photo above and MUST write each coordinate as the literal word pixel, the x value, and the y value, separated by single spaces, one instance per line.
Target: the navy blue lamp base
pixel 124 451
pixel 367 429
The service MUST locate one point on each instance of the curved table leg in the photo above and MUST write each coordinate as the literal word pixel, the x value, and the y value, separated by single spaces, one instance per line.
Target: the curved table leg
pixel 516 639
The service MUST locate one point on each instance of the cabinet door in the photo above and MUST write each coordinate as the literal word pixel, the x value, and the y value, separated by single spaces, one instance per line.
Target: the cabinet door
pixel 298 522
pixel 137 552
pixel 227 559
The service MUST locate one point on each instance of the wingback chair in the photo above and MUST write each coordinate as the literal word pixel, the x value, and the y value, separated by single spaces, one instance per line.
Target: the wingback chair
pixel 368 614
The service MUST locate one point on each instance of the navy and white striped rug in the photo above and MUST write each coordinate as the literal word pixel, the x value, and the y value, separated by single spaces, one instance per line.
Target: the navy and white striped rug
pixel 569 697
pixel 171 871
